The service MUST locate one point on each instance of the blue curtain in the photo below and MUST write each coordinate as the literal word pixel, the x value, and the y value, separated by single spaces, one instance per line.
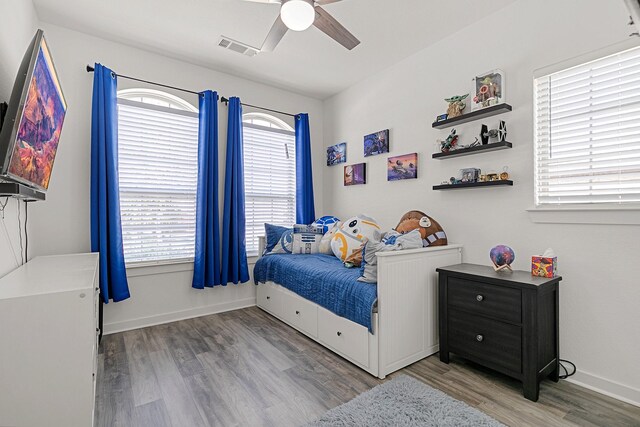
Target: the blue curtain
pixel 234 252
pixel 206 265
pixel 106 227
pixel 305 211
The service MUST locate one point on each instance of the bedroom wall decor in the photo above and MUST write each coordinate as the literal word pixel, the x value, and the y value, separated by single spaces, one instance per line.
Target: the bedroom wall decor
pixel 376 143
pixel 402 167
pixel 488 89
pixel 337 154
pixel 355 174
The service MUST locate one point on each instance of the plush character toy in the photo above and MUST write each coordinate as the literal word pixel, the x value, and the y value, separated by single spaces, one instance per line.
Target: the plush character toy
pixel 348 239
pixel 431 232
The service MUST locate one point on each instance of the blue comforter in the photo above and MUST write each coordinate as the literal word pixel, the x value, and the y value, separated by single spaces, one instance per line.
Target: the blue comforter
pixel 321 279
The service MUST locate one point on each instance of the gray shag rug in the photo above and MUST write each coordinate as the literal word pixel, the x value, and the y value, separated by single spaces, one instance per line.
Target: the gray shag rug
pixel 405 401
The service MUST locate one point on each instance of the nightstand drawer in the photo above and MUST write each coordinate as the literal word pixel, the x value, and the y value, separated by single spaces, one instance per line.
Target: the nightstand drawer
pixel 494 301
pixel 496 344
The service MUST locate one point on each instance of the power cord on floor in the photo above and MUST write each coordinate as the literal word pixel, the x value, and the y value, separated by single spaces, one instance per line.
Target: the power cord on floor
pixel 566 372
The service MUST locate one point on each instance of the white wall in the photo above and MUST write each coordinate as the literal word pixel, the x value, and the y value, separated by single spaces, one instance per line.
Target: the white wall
pixel 61 224
pixel 17 28
pixel 600 296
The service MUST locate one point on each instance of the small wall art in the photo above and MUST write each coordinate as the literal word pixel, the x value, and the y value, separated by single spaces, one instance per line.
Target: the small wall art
pixel 355 174
pixel 337 154
pixel 402 167
pixel 376 143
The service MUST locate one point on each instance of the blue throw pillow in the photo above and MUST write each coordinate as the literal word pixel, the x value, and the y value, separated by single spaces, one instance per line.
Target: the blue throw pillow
pixel 273 233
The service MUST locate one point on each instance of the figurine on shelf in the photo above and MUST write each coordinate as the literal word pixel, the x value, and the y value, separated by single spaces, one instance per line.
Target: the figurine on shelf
pixel 502 131
pixel 505 174
pixel 484 130
pixel 456 105
pixel 449 143
pixel 488 90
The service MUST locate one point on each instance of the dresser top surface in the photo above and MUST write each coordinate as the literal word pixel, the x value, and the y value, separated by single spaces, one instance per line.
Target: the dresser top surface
pixel 517 276
pixel 50 274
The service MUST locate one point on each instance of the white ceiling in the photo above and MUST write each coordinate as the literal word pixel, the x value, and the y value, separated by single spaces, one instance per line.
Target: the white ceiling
pixel 306 62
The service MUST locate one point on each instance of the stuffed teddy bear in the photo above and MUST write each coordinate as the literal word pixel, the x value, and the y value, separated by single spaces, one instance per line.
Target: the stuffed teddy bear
pixel 431 232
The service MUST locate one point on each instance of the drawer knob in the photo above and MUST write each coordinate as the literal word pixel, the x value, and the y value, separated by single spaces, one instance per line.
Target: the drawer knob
pixel 339 333
pixel 297 312
pixel 479 338
pixel 268 297
pixel 479 297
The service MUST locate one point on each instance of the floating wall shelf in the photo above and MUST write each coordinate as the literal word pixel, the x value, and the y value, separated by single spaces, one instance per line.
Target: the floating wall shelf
pixel 473 150
pixel 472 184
pixel 474 115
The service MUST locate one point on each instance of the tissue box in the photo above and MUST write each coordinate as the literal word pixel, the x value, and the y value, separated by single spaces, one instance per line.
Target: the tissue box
pixel 542 266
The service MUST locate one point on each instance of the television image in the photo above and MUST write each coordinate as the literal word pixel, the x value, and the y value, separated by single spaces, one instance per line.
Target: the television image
pixel 31 130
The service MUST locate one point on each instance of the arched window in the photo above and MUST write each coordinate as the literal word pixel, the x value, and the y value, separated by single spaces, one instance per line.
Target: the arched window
pixel 269 175
pixel 157 152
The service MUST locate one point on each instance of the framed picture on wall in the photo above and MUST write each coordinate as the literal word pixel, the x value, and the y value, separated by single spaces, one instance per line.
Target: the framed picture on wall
pixel 402 167
pixel 355 174
pixel 376 143
pixel 337 154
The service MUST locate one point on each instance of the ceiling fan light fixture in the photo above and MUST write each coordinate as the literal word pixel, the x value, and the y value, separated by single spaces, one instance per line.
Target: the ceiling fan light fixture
pixel 298 15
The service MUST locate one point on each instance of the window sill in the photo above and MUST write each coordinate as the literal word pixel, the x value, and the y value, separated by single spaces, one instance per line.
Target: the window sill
pixel 608 215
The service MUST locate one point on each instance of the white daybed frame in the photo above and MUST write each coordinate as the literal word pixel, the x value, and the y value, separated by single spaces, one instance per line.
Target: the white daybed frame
pixel 405 327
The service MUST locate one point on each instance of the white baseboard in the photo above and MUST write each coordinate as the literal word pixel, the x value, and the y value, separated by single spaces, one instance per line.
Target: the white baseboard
pixel 143 322
pixel 607 387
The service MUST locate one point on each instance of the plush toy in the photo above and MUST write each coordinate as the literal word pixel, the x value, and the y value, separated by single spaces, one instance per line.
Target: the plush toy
pixel 325 242
pixel 326 222
pixel 349 237
pixel 431 232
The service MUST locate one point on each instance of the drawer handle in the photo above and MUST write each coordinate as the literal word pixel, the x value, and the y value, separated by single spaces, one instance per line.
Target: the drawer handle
pixel 297 312
pixel 479 338
pixel 339 333
pixel 479 297
pixel 268 297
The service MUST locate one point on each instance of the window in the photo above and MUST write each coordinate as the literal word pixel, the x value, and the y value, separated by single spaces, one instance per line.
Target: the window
pixel 587 133
pixel 157 155
pixel 269 175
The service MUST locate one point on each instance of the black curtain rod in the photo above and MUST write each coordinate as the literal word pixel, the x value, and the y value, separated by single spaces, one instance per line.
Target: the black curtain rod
pixel 90 69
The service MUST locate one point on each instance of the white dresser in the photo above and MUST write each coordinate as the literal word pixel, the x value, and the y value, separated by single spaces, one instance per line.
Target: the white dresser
pixel 48 342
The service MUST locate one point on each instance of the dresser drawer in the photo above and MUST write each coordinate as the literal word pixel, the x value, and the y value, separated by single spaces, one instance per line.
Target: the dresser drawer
pixel 343 336
pixel 493 343
pixel 300 313
pixel 269 297
pixel 493 301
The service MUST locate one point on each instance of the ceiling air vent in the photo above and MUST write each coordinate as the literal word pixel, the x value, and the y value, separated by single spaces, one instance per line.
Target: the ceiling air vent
pixel 237 46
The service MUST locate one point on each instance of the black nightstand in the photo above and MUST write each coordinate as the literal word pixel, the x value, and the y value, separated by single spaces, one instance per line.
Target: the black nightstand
pixel 506 321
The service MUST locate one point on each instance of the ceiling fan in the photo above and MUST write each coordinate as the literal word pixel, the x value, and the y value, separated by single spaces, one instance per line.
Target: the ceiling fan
pixel 298 15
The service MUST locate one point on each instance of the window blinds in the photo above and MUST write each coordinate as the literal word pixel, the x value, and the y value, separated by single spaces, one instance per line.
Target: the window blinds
pixel 587 133
pixel 157 154
pixel 269 179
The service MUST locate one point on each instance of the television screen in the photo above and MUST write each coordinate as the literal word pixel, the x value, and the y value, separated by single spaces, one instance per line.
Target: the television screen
pixel 36 114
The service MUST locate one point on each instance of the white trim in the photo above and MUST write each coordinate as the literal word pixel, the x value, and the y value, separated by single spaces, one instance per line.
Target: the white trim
pixel 148 106
pixel 268 129
pixel 587 57
pixel 143 322
pixel 609 215
pixel 607 387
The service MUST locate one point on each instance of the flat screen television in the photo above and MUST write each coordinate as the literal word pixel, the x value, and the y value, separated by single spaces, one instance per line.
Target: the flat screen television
pixel 31 130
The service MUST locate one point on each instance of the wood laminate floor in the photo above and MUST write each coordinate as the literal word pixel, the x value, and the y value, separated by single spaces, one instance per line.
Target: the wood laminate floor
pixel 245 368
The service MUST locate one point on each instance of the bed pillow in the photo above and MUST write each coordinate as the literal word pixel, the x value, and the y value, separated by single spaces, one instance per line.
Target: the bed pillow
pixel 326 222
pixel 392 241
pixel 306 239
pixel 279 240
pixel 325 242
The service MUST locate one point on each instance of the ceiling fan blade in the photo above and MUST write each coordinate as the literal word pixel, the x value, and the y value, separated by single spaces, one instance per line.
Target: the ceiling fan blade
pixel 277 32
pixel 264 1
pixel 323 2
pixel 328 25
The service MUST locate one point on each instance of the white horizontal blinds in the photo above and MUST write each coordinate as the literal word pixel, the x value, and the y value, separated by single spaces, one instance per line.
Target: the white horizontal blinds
pixel 157 156
pixel 269 179
pixel 587 130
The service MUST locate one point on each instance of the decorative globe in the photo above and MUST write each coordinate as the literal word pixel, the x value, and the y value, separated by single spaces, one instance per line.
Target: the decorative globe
pixel 326 222
pixel 502 255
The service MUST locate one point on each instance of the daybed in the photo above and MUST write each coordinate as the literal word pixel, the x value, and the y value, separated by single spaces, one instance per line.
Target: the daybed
pixel 402 321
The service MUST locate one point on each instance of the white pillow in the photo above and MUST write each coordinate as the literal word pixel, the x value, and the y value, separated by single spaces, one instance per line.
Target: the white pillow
pixel 306 239
pixel 325 242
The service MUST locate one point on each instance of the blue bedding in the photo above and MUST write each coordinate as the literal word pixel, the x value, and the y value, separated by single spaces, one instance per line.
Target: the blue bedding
pixel 321 279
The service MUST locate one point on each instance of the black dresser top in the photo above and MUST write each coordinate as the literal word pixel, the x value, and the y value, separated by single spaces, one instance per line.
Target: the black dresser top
pixel 516 277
